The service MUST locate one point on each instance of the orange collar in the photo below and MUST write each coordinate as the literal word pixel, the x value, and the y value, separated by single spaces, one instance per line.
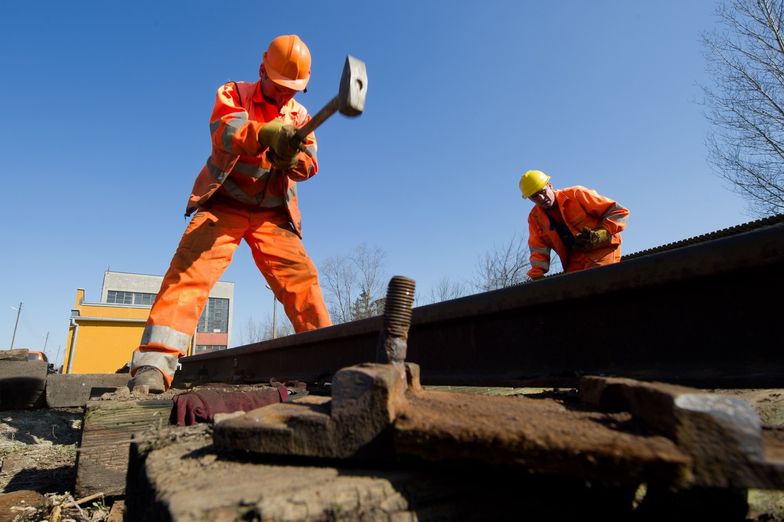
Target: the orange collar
pixel 258 98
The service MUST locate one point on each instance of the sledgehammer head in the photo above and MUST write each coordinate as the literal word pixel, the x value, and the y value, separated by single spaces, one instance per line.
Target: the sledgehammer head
pixel 353 87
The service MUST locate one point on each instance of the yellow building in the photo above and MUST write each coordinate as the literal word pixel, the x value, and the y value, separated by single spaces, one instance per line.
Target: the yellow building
pixel 103 335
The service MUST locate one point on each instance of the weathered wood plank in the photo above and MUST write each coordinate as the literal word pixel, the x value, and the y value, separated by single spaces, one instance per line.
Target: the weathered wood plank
pixel 102 460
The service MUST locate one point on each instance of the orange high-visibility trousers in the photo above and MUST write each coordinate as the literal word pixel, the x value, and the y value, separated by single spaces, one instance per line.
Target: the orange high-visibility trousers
pixel 580 260
pixel 204 253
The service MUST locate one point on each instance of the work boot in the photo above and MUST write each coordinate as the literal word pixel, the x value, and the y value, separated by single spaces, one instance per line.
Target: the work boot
pixel 148 379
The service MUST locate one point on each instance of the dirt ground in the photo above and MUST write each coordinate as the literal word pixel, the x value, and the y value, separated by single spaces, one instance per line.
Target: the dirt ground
pixel 38 453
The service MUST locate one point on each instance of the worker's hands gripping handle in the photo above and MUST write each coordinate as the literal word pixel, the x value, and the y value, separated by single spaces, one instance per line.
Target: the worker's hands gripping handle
pixel 282 142
pixel 589 239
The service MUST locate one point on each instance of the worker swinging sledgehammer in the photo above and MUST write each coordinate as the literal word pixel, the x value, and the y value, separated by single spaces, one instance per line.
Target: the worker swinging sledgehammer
pixel 582 226
pixel 247 190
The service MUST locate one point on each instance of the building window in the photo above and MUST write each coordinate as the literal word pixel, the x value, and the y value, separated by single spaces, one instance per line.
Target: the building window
pixel 129 298
pixel 143 299
pixel 215 318
pixel 204 348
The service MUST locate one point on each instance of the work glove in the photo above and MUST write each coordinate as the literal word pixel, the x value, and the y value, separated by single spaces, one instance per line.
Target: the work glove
pixel 589 239
pixel 281 139
pixel 279 162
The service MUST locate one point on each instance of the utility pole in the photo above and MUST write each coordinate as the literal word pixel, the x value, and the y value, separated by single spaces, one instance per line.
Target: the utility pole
pixel 274 313
pixel 18 313
pixel 274 316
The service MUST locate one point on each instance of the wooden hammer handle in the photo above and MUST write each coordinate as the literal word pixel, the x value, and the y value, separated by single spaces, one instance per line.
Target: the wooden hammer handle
pixel 328 110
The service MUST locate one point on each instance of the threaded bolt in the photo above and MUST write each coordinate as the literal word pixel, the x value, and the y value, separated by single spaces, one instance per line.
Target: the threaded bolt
pixel 393 341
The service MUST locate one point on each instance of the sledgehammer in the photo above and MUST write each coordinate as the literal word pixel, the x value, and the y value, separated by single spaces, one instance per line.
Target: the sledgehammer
pixel 350 100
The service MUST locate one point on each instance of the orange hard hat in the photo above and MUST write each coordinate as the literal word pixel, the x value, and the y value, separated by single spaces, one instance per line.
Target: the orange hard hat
pixel 287 62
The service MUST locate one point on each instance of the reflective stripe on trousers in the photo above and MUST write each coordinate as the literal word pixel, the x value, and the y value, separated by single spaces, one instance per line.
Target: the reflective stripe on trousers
pixel 204 253
pixel 165 362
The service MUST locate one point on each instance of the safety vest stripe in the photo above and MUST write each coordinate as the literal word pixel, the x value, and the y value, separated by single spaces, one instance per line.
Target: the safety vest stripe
pixel 166 336
pixel 251 170
pixel 539 250
pixel 272 202
pixel 218 174
pixel 236 193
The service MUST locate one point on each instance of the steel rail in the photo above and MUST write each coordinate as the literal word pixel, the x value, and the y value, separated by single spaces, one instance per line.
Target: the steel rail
pixel 705 314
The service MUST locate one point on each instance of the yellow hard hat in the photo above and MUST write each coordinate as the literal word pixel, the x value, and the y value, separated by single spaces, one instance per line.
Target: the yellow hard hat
pixel 532 182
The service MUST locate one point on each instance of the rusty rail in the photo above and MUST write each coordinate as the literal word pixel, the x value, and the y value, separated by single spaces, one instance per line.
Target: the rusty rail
pixel 695 315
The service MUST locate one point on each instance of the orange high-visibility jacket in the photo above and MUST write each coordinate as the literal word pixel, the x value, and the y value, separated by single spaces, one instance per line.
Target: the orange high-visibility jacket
pixel 580 207
pixel 239 113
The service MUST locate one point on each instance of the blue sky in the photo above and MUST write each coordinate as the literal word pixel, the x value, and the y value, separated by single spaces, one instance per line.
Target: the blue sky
pixel 106 124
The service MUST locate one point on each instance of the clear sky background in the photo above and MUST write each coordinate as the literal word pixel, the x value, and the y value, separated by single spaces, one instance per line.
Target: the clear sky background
pixel 106 109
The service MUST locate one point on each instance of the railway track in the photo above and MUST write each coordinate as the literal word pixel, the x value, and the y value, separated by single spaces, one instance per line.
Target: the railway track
pixel 700 312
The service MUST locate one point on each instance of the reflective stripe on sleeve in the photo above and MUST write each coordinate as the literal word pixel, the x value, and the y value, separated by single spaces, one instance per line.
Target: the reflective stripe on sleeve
pixel 618 219
pixel 233 123
pixel 609 214
pixel 311 151
pixel 545 265
pixel 536 254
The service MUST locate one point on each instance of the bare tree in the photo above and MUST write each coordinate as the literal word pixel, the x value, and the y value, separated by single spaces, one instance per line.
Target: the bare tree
pixel 252 332
pixel 354 284
pixel 255 332
pixel 746 102
pixel 446 289
pixel 504 266
pixel 369 262
pixel 338 278
pixel 282 329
